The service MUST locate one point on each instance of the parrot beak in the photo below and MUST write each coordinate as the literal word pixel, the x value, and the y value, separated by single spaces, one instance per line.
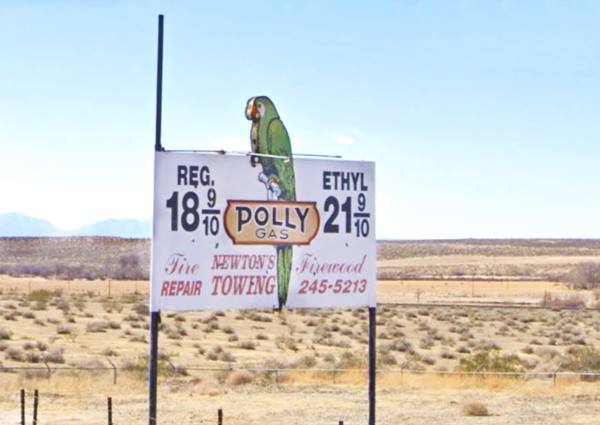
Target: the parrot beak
pixel 251 110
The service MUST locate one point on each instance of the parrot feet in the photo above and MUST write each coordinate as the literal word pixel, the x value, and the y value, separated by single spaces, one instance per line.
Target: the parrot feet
pixel 273 189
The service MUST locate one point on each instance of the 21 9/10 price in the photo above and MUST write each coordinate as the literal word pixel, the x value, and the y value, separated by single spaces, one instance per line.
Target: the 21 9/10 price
pixel 340 286
pixel 360 218
pixel 190 217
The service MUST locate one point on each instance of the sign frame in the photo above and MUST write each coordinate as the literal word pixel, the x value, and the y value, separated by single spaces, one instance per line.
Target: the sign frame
pixel 155 315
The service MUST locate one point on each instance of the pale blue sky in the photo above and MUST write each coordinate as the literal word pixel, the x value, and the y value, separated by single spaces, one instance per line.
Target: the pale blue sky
pixel 483 117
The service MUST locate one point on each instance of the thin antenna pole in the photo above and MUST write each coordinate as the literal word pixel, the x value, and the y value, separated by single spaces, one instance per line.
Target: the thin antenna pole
pixel 159 77
pixel 155 315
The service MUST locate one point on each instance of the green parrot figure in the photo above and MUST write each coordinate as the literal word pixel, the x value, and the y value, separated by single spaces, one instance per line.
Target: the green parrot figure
pixel 269 137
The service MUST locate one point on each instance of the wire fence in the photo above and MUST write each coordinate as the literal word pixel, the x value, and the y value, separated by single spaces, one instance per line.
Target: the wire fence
pixel 116 402
pixel 184 370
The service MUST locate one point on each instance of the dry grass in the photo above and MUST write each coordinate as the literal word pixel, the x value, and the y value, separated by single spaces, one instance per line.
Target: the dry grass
pixel 474 408
pixel 77 327
pixel 70 400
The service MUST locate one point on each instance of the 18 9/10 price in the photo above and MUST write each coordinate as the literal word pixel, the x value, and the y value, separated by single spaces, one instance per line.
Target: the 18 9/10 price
pixel 190 216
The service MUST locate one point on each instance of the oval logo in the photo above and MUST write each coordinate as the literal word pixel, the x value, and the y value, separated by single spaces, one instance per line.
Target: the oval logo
pixel 271 222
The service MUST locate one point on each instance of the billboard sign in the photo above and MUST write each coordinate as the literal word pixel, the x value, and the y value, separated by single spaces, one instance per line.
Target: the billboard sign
pixel 226 235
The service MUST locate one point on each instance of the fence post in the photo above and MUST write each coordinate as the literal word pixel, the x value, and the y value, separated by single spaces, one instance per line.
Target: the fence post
pixel 109 401
pixel 556 371
pixel 35 406
pixel 22 407
pixel 114 371
pixel 49 370
pixel 220 417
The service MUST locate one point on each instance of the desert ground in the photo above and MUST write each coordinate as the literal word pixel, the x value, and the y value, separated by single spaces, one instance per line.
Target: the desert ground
pixel 66 336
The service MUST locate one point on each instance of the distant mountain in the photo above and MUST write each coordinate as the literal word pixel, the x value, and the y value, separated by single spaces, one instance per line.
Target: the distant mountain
pixel 124 228
pixel 15 224
pixel 20 225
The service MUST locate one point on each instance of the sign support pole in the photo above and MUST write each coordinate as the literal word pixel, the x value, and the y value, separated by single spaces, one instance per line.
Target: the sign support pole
pixel 155 315
pixel 372 363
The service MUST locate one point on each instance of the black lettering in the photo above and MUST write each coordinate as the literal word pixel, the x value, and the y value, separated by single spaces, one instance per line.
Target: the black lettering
pixel 275 221
pixel 243 216
pixel 336 175
pixel 181 175
pixel 205 176
pixel 301 216
pixel 194 175
pixel 261 221
pixel 326 180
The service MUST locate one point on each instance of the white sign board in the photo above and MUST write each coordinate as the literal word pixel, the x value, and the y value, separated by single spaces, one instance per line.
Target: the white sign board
pixel 224 236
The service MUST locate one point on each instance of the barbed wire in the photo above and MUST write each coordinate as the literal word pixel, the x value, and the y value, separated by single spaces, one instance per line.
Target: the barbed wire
pixel 179 367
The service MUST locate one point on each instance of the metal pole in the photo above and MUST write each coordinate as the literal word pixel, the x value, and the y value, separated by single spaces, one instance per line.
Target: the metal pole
pixel 153 365
pixel 372 364
pixel 159 72
pixel 220 417
pixel 155 315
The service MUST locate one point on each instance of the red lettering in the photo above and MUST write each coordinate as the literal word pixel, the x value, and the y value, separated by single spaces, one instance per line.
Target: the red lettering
pixel 172 288
pixel 178 264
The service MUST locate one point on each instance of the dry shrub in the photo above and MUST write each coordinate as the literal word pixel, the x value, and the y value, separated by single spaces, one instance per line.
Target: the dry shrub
pixel 585 276
pixel 109 352
pixel 582 360
pixel 239 377
pixel 351 360
pixel 490 361
pixel 34 357
pixel 42 295
pixel 55 355
pixel 63 330
pixel 92 366
pixel 98 326
pixel 4 334
pixel 141 309
pixel 305 362
pixel 247 345
pixel 574 301
pixel 385 358
pixel 15 354
pixel 474 408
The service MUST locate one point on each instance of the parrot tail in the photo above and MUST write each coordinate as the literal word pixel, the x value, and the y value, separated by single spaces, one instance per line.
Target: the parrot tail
pixel 284 271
